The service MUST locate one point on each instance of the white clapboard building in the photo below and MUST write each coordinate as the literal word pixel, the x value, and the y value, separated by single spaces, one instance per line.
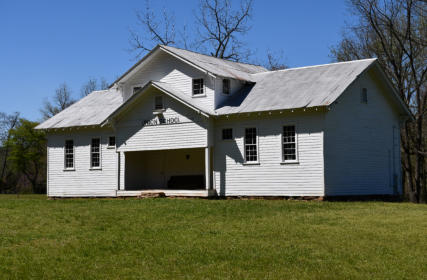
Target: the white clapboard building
pixel 188 124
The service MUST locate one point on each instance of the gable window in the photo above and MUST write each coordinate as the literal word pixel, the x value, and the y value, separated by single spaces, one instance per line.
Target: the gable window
pixel 198 87
pixel 135 89
pixel 364 96
pixel 95 153
pixel 226 86
pixel 251 145
pixel 289 142
pixel 111 141
pixel 69 154
pixel 227 134
pixel 158 103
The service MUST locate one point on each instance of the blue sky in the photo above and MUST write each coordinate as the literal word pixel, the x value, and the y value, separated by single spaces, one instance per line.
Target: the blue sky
pixel 45 43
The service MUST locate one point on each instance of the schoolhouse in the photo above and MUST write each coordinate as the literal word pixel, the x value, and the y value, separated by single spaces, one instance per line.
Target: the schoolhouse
pixel 188 124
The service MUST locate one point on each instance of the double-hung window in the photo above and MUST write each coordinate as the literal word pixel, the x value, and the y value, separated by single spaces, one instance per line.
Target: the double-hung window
pixel 364 96
pixel 198 88
pixel 69 154
pixel 158 103
pixel 95 153
pixel 289 142
pixel 251 145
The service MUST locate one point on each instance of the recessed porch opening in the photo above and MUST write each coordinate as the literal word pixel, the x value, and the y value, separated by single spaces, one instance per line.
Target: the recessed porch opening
pixel 180 169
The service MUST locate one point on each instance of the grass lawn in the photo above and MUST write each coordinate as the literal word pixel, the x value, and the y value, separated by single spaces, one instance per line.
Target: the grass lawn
pixel 210 239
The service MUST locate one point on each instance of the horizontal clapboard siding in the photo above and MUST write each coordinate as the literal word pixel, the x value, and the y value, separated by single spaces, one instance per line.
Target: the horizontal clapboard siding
pixel 168 69
pixel 270 177
pixel 360 149
pixel 132 135
pixel 83 181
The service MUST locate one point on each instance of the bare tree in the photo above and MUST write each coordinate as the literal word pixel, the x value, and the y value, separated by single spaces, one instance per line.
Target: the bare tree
pixel 218 25
pixel 92 85
pixel 275 61
pixel 395 31
pixel 7 123
pixel 221 26
pixel 89 86
pixel 154 30
pixel 61 100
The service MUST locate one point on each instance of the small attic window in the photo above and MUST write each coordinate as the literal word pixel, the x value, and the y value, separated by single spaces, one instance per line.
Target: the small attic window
pixel 158 102
pixel 226 86
pixel 198 88
pixel 364 96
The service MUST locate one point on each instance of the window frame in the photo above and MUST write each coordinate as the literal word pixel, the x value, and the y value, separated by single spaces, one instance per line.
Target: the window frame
pixel 136 86
pixel 91 167
pixel 246 162
pixel 229 86
pixel 222 134
pixel 282 155
pixel 155 103
pixel 108 144
pixel 364 95
pixel 65 156
pixel 203 88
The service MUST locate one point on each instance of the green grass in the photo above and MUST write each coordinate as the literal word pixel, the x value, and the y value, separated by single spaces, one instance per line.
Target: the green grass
pixel 210 239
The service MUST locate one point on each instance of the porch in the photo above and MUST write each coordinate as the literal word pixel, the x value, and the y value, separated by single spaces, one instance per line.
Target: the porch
pixel 176 172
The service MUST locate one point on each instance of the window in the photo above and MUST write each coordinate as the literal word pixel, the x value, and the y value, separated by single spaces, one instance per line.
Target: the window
pixel 158 103
pixel 227 134
pixel 226 86
pixel 95 153
pixel 69 154
pixel 111 141
pixel 197 86
pixel 251 149
pixel 364 96
pixel 289 143
pixel 135 89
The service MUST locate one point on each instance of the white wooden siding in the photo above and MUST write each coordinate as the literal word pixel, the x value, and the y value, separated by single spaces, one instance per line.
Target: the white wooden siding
pixel 82 181
pixel 359 142
pixel 132 135
pixel 270 177
pixel 168 69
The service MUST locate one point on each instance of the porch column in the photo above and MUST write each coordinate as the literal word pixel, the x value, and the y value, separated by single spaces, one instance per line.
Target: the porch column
pixel 208 167
pixel 121 178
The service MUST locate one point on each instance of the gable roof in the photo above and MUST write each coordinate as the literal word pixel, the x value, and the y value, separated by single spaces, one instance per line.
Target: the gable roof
pixel 166 88
pixel 293 88
pixel 213 65
pixel 88 111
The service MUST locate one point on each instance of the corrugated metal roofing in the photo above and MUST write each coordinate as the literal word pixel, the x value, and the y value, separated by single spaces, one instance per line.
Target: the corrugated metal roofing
pixel 217 66
pixel 90 110
pixel 295 88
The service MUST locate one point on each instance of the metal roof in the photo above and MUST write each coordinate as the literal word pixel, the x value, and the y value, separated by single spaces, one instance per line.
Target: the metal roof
pixel 217 66
pixel 91 110
pixel 295 88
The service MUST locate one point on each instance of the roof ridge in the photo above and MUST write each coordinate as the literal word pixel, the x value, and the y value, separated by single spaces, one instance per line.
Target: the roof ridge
pixel 237 62
pixel 318 65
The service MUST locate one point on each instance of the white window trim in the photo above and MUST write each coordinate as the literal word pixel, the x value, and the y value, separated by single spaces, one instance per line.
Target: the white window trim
pixel 108 143
pixel 100 154
pixel 232 134
pixel 257 162
pixel 192 88
pixel 74 157
pixel 293 161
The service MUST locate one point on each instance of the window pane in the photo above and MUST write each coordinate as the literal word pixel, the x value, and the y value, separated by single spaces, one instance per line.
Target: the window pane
pixel 112 141
pixel 95 152
pixel 158 102
pixel 251 151
pixel 289 143
pixel 227 134
pixel 69 154
pixel 197 86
